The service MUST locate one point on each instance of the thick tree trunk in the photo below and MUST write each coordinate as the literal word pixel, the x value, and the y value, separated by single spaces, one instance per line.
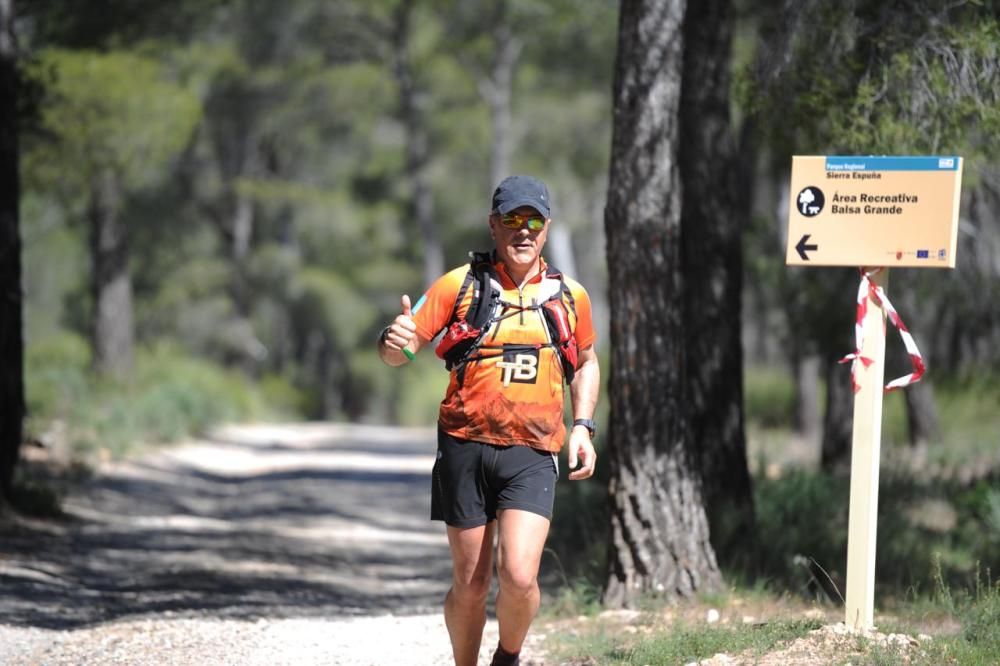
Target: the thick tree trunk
pixel 412 105
pixel 716 209
pixel 111 282
pixel 659 530
pixel 11 337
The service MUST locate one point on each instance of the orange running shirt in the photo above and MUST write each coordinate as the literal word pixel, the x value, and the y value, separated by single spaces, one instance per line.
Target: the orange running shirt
pixel 510 398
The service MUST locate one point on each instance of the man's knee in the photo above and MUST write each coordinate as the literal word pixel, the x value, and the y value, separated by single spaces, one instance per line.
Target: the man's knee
pixel 518 579
pixel 471 587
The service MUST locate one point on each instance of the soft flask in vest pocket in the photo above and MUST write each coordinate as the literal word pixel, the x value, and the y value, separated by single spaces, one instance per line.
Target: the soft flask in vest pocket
pixel 458 332
pixel 558 322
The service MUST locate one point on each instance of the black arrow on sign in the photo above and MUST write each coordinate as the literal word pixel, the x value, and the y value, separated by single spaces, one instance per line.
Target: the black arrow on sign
pixel 802 248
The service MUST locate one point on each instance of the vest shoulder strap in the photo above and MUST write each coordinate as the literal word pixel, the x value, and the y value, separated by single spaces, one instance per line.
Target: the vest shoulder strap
pixel 481 276
pixel 564 291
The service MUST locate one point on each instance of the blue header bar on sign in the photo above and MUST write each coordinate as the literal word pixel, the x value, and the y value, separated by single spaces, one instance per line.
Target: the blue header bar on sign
pixel 893 163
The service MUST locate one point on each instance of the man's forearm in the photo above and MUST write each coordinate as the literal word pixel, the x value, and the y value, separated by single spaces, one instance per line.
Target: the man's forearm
pixel 585 388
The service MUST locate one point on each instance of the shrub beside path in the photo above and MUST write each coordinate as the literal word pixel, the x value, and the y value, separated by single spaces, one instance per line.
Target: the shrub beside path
pixel 266 544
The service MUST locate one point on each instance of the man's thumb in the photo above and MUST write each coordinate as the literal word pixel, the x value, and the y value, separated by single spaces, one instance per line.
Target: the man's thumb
pixel 406 305
pixel 571 456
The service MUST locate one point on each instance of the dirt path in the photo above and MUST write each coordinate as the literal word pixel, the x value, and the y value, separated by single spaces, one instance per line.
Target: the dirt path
pixel 292 544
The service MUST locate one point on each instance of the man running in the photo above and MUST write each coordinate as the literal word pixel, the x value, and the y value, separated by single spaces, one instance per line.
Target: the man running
pixel 515 330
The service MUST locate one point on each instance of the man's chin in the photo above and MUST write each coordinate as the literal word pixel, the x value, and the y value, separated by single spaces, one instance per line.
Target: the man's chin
pixel 521 258
pixel 525 254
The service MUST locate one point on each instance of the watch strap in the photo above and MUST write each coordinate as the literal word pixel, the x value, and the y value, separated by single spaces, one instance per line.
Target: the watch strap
pixel 586 423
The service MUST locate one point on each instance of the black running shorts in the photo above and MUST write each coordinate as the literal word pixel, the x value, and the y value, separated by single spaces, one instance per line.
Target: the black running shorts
pixel 472 480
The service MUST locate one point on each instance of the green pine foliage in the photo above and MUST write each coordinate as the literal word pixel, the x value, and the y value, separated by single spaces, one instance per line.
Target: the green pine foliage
pixel 92 118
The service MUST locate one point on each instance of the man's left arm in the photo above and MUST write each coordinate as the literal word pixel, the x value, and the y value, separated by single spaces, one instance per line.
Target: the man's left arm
pixel 583 392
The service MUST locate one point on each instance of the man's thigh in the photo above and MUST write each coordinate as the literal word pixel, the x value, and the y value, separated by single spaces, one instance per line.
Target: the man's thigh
pixel 472 554
pixel 521 542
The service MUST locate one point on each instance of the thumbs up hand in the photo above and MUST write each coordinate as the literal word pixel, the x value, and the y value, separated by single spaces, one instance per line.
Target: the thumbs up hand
pixel 401 332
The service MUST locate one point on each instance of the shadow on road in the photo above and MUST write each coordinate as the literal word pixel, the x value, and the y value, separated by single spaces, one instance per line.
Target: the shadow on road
pixel 269 521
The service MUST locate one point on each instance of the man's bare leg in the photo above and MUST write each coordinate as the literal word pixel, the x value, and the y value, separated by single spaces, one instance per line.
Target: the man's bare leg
pixel 465 604
pixel 522 539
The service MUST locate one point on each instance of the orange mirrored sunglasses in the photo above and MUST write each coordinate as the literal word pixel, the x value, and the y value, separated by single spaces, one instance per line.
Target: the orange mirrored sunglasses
pixel 513 221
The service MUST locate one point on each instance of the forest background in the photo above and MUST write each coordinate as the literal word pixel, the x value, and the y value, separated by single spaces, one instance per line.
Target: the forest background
pixel 221 202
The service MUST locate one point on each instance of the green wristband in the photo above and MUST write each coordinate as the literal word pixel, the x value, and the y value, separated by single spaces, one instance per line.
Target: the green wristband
pixel 381 340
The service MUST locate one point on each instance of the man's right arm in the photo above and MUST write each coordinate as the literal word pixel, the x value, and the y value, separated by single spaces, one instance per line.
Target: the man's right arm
pixel 411 330
pixel 399 335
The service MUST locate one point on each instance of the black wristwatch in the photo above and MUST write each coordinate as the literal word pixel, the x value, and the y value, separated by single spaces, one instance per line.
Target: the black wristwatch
pixel 588 424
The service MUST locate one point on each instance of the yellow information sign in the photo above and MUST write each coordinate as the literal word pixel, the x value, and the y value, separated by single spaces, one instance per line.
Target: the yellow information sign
pixel 874 211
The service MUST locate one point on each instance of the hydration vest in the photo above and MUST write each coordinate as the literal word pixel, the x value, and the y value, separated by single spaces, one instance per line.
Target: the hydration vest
pixel 465 341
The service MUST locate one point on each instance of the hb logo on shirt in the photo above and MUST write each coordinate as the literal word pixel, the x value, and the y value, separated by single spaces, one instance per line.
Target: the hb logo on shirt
pixel 520 367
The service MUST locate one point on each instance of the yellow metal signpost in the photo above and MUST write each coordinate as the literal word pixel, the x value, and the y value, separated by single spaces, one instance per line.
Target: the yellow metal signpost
pixel 871 212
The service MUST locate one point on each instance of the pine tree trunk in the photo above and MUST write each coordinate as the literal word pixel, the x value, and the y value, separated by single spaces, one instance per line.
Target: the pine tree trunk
pixel 412 103
pixel 242 225
pixel 838 419
pixel 921 406
pixel 111 282
pixel 11 337
pixel 716 209
pixel 922 416
pixel 498 90
pixel 807 422
pixel 659 530
pixel 823 308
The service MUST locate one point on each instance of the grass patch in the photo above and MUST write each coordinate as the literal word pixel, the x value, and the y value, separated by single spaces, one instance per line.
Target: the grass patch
pixel 572 599
pixel 682 643
pixel 979 613
pixel 691 643
pixel 965 624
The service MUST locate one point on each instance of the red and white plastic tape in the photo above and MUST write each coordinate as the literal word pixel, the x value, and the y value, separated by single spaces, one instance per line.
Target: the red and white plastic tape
pixel 869 288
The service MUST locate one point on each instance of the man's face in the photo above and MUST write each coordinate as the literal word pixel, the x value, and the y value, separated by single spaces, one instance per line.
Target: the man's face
pixel 519 247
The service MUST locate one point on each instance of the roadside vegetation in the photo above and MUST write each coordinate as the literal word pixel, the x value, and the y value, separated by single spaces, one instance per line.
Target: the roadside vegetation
pixel 760 627
pixel 172 395
pixel 938 553
pixel 77 417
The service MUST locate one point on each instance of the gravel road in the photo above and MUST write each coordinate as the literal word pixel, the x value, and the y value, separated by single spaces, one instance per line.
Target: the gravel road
pixel 266 544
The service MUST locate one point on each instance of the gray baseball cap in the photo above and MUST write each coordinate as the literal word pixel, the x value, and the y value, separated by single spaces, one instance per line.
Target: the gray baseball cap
pixel 516 191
